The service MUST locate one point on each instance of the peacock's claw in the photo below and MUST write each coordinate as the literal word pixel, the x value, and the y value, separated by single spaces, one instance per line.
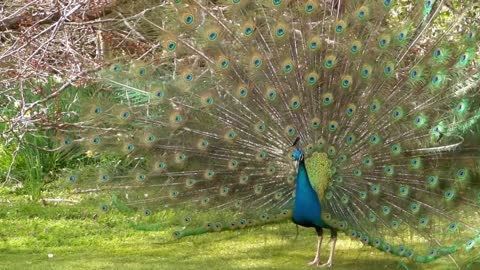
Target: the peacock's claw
pixel 326 265
pixel 315 262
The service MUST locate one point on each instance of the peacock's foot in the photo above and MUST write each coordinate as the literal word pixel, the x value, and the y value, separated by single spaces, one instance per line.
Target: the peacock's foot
pixel 315 262
pixel 327 264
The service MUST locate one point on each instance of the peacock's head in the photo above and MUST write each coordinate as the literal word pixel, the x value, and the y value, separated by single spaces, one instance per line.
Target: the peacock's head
pixel 298 154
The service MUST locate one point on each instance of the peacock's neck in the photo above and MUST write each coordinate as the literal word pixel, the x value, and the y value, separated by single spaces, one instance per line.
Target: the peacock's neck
pixel 307 209
pixel 303 182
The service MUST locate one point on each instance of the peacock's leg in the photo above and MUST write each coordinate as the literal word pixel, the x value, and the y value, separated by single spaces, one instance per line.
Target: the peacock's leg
pixel 329 263
pixel 316 260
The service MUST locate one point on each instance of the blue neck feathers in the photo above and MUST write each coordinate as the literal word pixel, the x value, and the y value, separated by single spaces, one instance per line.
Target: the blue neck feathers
pixel 307 210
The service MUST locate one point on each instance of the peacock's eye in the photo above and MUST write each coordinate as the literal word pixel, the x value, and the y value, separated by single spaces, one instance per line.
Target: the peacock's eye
pixel 189 20
pixel 212 36
pixel 172 46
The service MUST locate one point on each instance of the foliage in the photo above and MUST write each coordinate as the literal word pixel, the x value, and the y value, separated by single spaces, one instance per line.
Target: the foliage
pixel 28 149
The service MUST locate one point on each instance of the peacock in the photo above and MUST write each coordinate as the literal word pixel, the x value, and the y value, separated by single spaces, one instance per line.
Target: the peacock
pixel 357 117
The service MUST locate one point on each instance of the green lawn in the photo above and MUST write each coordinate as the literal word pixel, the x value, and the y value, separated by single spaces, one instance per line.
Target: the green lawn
pixel 77 240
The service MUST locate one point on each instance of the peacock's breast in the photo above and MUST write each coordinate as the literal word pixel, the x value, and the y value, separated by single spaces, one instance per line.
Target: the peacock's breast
pixel 307 208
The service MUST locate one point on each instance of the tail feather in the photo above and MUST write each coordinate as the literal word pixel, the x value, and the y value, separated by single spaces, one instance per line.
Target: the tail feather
pixel 386 92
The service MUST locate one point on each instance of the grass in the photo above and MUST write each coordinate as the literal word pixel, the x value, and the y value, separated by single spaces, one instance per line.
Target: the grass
pixel 30 231
pixel 87 244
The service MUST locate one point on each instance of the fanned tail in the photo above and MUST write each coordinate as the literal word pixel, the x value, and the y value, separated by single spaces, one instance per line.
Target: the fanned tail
pixel 384 97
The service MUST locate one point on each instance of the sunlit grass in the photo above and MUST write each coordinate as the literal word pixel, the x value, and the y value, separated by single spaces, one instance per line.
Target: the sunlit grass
pixel 78 240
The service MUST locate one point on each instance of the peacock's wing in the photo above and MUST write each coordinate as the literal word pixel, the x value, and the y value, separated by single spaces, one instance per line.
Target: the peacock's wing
pixel 384 97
